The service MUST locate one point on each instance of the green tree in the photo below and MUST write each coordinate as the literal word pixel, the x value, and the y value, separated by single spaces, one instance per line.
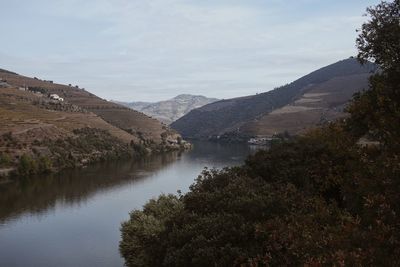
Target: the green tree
pixel 318 200
pixel 27 165
pixel 142 244
pixel 44 164
pixel 376 112
pixel 5 159
pixel 379 37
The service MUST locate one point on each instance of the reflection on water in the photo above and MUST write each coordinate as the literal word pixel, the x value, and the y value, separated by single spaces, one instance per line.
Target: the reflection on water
pixel 73 218
pixel 38 194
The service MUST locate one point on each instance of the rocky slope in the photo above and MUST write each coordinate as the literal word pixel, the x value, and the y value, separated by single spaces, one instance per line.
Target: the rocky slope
pixel 315 98
pixel 172 109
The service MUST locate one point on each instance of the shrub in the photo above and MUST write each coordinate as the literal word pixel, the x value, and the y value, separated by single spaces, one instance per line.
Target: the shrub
pixel 141 240
pixel 5 160
pixel 8 136
pixel 44 164
pixel 27 166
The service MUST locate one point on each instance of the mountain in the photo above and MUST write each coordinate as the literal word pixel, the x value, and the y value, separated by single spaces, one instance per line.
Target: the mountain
pixel 172 109
pixel 317 97
pixel 70 125
pixel 136 105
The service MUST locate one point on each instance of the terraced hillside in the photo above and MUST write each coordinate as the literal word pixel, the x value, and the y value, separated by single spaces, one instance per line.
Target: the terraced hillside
pixel 287 108
pixel 318 104
pixel 36 129
pixel 117 115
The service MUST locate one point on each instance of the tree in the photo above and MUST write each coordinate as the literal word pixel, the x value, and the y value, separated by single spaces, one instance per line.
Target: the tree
pixel 27 166
pixel 141 243
pixel 376 112
pixel 379 40
pixel 317 200
pixel 5 159
pixel 44 164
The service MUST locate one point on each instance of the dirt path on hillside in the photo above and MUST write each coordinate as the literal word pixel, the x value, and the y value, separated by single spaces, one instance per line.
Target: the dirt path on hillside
pixel 41 126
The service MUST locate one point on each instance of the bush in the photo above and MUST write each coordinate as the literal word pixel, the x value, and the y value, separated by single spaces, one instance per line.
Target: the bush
pixel 314 201
pixel 8 136
pixel 139 149
pixel 44 164
pixel 141 239
pixel 319 200
pixel 5 160
pixel 27 166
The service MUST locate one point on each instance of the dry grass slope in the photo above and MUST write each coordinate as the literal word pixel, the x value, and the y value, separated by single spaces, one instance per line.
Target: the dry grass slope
pixel 117 115
pixel 318 104
pixel 81 129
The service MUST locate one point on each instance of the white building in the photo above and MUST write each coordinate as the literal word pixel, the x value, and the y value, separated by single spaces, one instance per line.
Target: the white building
pixel 56 97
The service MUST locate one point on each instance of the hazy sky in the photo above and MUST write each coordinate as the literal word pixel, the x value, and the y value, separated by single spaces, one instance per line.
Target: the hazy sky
pixel 148 50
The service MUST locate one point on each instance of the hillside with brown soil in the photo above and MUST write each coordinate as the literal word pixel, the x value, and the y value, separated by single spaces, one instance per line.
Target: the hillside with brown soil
pixel 313 99
pixel 317 105
pixel 119 116
pixel 24 113
pixel 81 129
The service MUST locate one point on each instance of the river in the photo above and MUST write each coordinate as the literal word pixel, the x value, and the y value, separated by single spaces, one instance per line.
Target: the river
pixel 73 218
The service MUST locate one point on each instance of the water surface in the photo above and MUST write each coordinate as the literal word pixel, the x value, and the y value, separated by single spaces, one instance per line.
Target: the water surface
pixel 73 218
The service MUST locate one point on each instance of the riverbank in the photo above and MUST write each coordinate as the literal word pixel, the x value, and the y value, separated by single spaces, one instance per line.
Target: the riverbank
pixel 46 127
pixel 85 147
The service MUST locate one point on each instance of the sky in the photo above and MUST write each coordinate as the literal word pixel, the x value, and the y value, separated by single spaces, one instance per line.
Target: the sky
pixel 151 50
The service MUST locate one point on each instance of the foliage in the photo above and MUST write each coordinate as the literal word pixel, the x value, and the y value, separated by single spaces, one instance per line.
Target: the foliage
pixel 27 166
pixel 311 201
pixel 5 160
pixel 376 112
pixel 318 200
pixel 379 37
pixel 88 145
pixel 8 136
pixel 139 149
pixel 38 90
pixel 44 164
pixel 141 236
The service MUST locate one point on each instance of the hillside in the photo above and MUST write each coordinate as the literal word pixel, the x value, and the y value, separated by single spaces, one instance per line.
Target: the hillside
pixel 321 103
pixel 314 98
pixel 81 129
pixel 170 110
pixel 117 115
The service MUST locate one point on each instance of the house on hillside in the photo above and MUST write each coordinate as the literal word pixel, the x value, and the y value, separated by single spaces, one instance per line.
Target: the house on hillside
pixel 56 97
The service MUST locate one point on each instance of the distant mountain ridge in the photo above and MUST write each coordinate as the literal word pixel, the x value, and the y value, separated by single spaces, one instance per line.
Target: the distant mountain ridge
pixel 170 110
pixel 241 116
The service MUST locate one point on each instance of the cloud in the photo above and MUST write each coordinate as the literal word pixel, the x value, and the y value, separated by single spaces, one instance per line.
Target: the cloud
pixel 154 49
